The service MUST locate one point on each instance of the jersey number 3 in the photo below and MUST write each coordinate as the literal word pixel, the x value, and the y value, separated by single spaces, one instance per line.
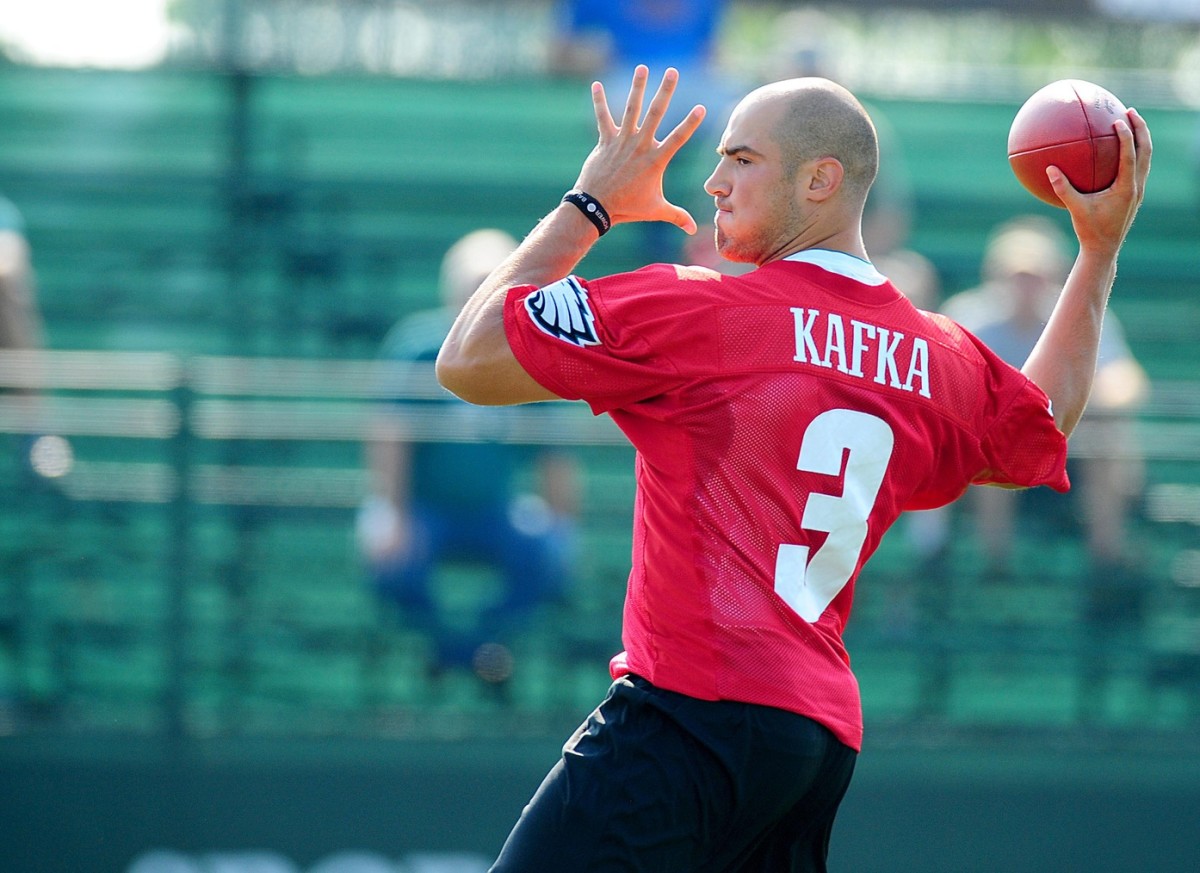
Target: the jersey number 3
pixel 809 585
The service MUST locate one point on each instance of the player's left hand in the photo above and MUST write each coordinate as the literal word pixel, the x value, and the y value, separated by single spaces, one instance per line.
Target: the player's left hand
pixel 625 169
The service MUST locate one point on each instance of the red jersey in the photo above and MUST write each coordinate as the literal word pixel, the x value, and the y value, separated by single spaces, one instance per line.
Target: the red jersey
pixel 783 420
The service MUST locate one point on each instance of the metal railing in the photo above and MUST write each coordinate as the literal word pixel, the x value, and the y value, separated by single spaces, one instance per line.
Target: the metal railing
pixel 237 434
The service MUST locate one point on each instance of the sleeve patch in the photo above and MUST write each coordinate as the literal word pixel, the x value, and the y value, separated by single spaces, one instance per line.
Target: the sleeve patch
pixel 561 310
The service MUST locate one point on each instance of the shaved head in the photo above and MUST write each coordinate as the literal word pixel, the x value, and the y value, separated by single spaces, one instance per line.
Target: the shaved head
pixel 797 160
pixel 820 119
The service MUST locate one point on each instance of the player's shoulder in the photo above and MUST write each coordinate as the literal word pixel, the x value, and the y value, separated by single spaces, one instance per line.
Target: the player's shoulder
pixel 952 336
pixel 973 348
pixel 687 286
pixel 689 275
pixel 942 329
pixel 945 326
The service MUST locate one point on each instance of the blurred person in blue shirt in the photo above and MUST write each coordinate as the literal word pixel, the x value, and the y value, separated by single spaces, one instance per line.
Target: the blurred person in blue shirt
pixel 434 500
pixel 606 39
pixel 617 35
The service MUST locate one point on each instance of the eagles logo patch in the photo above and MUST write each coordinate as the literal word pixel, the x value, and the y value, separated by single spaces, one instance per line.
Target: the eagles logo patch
pixel 562 310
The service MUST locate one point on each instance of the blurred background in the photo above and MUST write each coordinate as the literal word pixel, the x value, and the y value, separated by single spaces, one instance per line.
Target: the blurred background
pixel 244 629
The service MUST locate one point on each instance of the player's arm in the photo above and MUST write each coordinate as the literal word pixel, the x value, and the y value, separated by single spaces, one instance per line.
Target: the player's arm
pixel 476 361
pixel 624 173
pixel 1063 362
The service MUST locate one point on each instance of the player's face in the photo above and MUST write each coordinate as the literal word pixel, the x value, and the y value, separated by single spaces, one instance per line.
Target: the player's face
pixel 758 212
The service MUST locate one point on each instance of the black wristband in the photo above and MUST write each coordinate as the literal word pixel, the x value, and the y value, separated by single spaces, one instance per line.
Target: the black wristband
pixel 590 207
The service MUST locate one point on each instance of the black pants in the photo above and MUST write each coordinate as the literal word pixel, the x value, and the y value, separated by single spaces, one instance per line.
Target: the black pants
pixel 658 781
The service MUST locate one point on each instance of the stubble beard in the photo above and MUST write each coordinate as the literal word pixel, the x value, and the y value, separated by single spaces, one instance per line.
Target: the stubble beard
pixel 729 249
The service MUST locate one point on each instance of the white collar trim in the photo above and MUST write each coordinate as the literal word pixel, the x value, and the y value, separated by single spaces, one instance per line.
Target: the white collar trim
pixel 840 263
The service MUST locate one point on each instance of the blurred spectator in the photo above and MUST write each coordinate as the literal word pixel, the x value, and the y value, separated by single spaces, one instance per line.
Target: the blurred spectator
pixel 1024 266
pixel 20 323
pixel 914 275
pixel 1150 10
pixel 920 596
pixel 916 607
pixel 606 39
pixel 21 330
pixel 40 457
pixel 812 42
pixel 437 502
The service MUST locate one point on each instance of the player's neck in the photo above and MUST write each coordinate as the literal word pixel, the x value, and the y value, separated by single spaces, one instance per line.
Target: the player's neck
pixel 849 241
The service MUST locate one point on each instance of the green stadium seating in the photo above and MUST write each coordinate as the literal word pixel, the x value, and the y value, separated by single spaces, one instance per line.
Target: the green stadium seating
pixel 167 217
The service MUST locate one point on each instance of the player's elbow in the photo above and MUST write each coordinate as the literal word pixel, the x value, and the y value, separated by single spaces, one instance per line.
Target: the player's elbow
pixel 483 370
pixel 456 373
pixel 465 376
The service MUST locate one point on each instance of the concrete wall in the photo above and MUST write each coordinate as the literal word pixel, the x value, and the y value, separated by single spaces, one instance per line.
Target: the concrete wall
pixel 412 807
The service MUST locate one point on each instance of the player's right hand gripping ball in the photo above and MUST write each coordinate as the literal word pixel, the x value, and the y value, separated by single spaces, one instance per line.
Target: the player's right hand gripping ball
pixel 1069 125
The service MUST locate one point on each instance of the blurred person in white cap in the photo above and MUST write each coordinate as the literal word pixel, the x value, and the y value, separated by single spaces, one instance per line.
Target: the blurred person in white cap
pixel 432 501
pixel 1023 268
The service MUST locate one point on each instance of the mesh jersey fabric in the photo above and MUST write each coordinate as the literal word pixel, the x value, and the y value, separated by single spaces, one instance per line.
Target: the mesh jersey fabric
pixel 783 420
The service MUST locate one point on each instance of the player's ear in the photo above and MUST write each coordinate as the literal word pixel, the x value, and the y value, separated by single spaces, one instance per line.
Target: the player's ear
pixel 824 178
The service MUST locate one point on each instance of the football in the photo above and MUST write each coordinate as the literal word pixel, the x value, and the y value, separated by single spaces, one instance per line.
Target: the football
pixel 1067 124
